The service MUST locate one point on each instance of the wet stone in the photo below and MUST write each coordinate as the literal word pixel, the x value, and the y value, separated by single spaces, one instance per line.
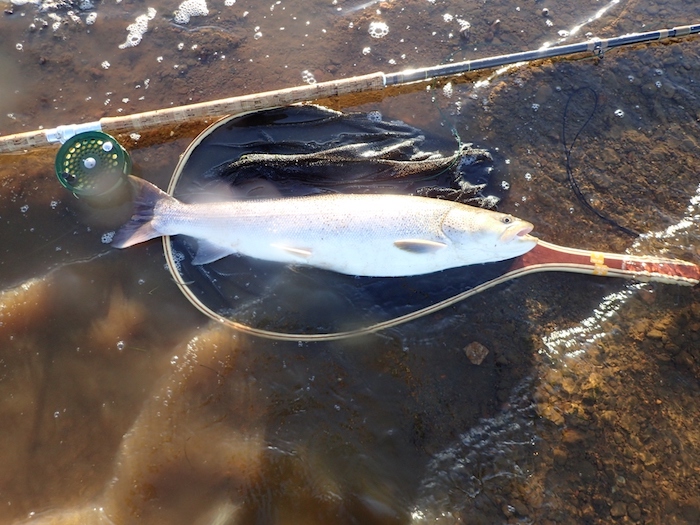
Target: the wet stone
pixel 684 359
pixel 476 352
pixel 600 178
pixel 520 508
pixel 618 509
pixel 543 94
pixel 649 89
pixel 655 334
pixel 571 436
pixel 634 512
pixel 550 413
pixel 672 348
pixel 609 156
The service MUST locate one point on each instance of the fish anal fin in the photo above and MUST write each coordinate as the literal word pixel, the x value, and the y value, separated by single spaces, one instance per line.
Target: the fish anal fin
pixel 303 253
pixel 419 245
pixel 208 252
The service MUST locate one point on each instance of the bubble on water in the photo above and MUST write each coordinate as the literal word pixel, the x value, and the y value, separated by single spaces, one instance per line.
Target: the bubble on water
pixel 107 237
pixel 56 414
pixel 135 136
pixel 366 50
pixel 505 185
pixel 121 345
pixel 378 29
pixel 308 77
pixel 528 176
pixel 659 72
pixel 447 17
pixel 229 3
pixel 563 33
pixel 374 116
pixel 464 27
pixel 258 34
pixel 190 8
pixel 19 47
pixel 178 257
pixel 658 84
pixel 535 107
pixel 138 29
pixel 630 78
pixel 54 204
pixel 619 113
pixel 447 90
pixel 90 19
pixel 25 208
pixel 549 23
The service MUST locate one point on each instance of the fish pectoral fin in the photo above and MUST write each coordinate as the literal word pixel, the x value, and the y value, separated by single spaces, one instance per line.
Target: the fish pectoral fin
pixel 419 245
pixel 208 252
pixel 303 253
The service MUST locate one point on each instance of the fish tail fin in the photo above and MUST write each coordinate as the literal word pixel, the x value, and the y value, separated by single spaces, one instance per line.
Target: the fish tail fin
pixel 140 227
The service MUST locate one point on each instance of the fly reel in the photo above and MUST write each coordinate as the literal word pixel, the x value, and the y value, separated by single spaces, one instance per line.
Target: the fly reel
pixel 94 166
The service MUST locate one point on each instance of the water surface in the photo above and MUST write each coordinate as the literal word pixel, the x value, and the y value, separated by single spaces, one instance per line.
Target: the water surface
pixel 120 403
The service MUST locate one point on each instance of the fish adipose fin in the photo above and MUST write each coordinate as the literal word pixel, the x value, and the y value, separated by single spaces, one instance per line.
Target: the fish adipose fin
pixel 208 252
pixel 419 245
pixel 302 253
pixel 139 228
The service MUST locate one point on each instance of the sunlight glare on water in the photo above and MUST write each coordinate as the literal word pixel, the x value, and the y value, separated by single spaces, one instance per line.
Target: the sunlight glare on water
pixel 122 403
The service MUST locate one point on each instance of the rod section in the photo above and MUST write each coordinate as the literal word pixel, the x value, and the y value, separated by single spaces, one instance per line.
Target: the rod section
pixel 373 82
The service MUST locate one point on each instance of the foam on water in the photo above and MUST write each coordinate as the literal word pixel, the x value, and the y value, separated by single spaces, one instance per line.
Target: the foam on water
pixel 190 8
pixel 138 29
pixel 378 29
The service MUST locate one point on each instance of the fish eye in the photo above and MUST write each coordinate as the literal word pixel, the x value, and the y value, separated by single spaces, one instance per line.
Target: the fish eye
pixel 507 219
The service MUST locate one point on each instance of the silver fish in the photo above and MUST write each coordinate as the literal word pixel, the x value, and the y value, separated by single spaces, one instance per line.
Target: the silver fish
pixel 369 235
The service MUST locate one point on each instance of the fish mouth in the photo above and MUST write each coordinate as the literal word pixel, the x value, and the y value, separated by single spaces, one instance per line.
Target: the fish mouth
pixel 517 231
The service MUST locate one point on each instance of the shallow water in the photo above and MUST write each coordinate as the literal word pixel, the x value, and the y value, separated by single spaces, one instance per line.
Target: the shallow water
pixel 121 403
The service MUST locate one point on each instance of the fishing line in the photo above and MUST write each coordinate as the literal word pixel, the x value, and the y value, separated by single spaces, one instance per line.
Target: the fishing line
pixel 569 171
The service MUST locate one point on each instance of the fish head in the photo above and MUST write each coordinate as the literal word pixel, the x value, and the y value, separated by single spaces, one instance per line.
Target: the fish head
pixel 481 236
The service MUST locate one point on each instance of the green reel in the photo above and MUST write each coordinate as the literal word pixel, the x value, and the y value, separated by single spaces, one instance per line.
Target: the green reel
pixel 92 164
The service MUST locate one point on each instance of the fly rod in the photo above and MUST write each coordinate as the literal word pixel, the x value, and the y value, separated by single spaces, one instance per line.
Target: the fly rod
pixel 366 83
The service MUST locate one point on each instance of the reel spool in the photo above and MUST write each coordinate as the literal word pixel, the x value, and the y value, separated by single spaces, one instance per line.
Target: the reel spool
pixel 94 166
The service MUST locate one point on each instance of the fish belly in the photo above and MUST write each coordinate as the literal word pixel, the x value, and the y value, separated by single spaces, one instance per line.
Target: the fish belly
pixel 351 234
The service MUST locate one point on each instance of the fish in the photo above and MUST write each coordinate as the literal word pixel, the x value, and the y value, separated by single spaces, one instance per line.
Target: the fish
pixel 374 235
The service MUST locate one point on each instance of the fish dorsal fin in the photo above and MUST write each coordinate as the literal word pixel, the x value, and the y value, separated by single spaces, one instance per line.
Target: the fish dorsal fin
pixel 419 245
pixel 303 253
pixel 208 252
